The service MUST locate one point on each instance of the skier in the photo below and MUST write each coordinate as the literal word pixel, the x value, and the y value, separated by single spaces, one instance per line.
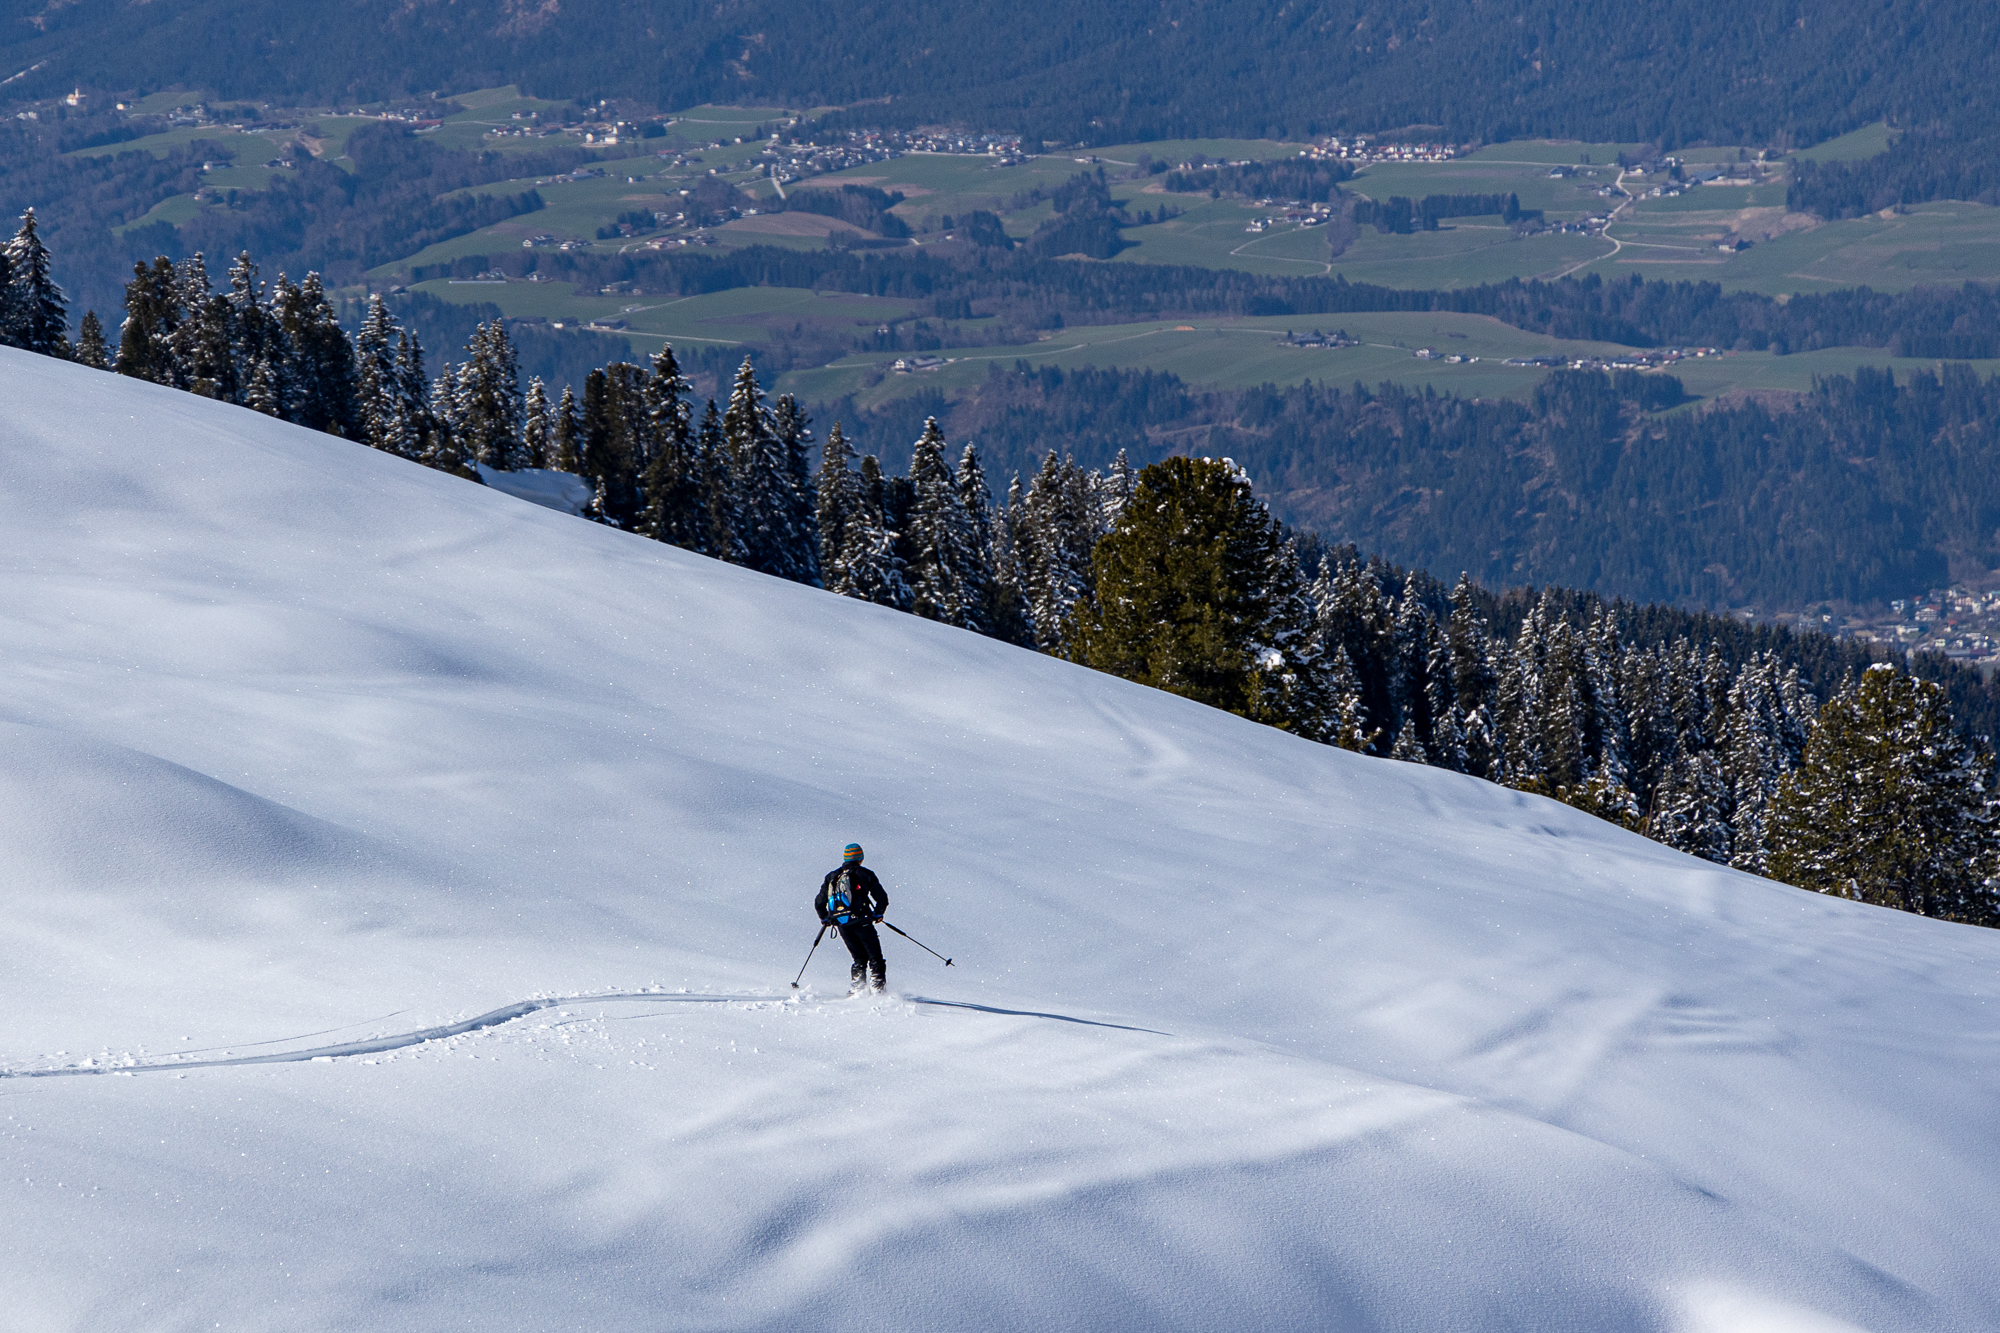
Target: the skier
pixel 851 900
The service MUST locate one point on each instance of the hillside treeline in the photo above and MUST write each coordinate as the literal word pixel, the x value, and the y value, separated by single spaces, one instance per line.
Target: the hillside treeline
pixel 1863 490
pixel 1177 577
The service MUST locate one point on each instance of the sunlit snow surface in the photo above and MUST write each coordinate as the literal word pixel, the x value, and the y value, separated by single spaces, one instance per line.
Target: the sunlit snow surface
pixel 306 748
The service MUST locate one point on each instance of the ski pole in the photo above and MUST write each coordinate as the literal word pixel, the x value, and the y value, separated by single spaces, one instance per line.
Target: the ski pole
pixel 810 952
pixel 919 943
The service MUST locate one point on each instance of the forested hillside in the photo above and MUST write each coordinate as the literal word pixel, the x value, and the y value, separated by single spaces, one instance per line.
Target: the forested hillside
pixel 1114 71
pixel 1863 490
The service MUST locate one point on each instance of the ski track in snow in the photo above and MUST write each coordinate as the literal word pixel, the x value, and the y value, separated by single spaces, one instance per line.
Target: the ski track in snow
pixel 494 1018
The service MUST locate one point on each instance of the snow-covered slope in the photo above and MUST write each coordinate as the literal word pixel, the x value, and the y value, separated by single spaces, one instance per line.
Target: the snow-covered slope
pixel 306 749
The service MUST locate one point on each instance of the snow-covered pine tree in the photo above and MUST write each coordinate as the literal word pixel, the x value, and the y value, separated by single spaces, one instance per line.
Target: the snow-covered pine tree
pixel 1649 722
pixel 152 313
pixel 1350 722
pixel 1197 593
pixel 1060 519
pixel 723 511
pixel 870 568
pixel 442 449
pixel 569 434
pixel 255 334
pixel 322 359
pixel 538 426
pixel 38 315
pixel 1517 701
pixel 1755 757
pixel 676 506
pixel 1891 805
pixel 614 426
pixel 489 400
pixel 90 346
pixel 377 392
pixel 1295 687
pixel 1010 618
pixel 1411 631
pixel 792 429
pixel 1447 739
pixel 203 345
pixel 1353 613
pixel 838 493
pixel 264 392
pixel 1690 808
pixel 1485 750
pixel 1468 643
pixel 1609 729
pixel 410 428
pixel 948 577
pixel 756 464
pixel 1115 490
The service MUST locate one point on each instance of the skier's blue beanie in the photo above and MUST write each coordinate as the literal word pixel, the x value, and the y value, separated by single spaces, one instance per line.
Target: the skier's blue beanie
pixel 852 852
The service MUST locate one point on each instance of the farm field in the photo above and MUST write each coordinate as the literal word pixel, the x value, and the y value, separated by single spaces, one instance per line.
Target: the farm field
pixel 938 184
pixel 1864 142
pixel 1933 244
pixel 741 314
pixel 1562 198
pixel 1463 252
pixel 1238 353
pixel 1241 353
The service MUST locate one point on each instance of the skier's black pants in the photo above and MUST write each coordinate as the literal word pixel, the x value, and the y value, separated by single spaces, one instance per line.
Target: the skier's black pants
pixel 865 947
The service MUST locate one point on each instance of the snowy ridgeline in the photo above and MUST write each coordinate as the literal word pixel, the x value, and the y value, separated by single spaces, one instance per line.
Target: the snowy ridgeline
pixel 312 753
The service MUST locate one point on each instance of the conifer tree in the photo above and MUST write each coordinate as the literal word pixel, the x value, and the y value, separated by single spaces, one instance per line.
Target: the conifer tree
pixel 1185 597
pixel 1115 492
pixel 838 495
pixel 1350 722
pixel 538 426
pixel 488 416
pixel 1468 643
pixel 870 569
pixel 948 576
pixel 322 368
pixel 1294 689
pixel 90 346
pixel 152 313
pixel 723 518
pixel 1058 532
pixel 569 434
pixel 378 392
pixel 1890 806
pixel 441 448
pixel 264 392
pixel 676 504
pixel 754 467
pixel 1690 810
pixel 411 428
pixel 1010 618
pixel 614 422
pixel 798 508
pixel 1353 613
pixel 202 347
pixel 38 316
pixel 1412 631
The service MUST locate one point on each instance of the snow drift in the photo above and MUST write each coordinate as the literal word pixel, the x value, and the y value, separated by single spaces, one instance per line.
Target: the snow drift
pixel 309 753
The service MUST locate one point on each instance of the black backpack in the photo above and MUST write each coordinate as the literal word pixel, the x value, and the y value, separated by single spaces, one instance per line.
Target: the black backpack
pixel 840 897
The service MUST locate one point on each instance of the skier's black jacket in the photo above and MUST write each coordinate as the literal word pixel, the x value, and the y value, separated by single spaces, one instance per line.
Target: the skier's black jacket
pixel 869 900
